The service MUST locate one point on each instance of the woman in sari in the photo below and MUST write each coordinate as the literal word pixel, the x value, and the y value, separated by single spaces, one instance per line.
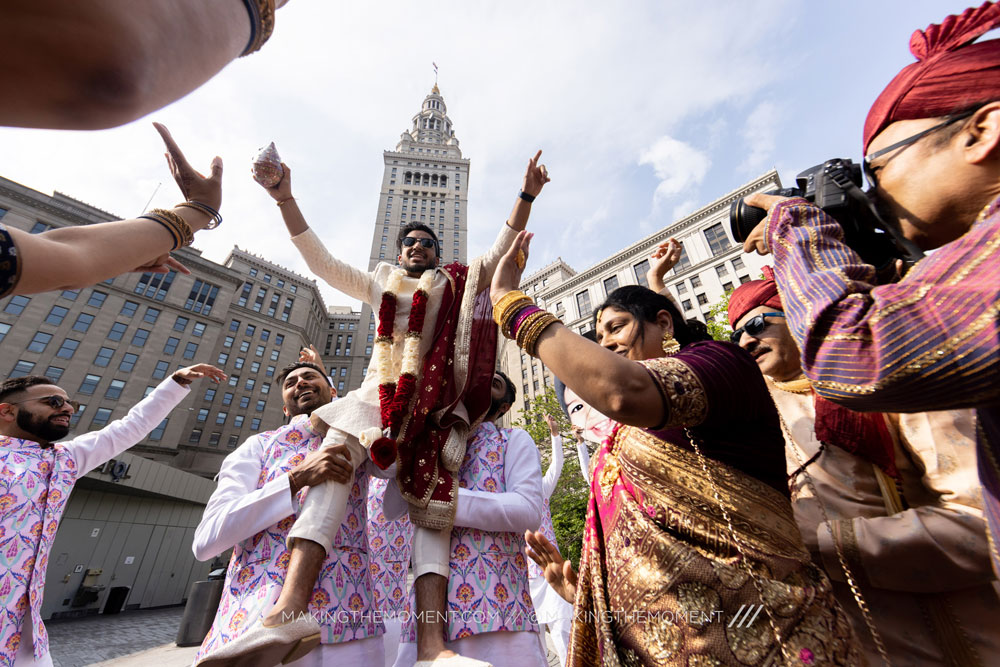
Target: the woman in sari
pixel 691 554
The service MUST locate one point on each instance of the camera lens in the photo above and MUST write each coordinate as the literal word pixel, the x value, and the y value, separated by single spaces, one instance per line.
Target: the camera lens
pixel 743 218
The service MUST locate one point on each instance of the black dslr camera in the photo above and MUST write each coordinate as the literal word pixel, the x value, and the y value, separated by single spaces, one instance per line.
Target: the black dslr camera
pixel 835 186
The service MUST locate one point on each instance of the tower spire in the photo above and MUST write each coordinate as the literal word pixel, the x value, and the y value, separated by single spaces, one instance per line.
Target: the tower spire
pixel 435 89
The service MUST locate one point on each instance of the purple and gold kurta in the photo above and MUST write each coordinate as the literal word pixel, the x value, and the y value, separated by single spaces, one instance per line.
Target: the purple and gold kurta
pixel 928 342
pixel 342 598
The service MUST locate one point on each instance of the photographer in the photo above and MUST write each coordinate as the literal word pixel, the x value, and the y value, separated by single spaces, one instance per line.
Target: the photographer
pixel 932 340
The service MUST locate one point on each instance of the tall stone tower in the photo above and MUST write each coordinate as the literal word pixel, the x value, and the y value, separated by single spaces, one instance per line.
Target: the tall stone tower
pixel 426 180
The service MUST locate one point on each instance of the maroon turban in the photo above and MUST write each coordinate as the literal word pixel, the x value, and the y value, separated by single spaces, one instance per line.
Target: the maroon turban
pixel 755 293
pixel 951 74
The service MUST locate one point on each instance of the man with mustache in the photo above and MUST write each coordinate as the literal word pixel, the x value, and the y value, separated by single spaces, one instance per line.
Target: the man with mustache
pixel 894 495
pixel 261 487
pixel 36 477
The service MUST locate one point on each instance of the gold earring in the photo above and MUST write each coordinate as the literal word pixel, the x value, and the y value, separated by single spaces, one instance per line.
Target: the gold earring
pixel 670 344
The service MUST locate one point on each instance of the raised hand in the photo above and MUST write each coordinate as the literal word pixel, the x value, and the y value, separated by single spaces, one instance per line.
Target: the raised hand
pixel 553 426
pixel 558 571
pixel 283 190
pixel 311 355
pixel 186 376
pixel 664 257
pixel 162 264
pixel 508 272
pixel 535 177
pixel 194 186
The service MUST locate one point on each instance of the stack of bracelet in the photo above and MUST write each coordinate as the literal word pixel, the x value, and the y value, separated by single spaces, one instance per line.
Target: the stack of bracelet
pixel 178 227
pixel 261 24
pixel 204 208
pixel 521 320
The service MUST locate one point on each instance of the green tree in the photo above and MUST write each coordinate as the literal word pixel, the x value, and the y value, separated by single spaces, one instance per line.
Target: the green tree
pixel 717 320
pixel 568 503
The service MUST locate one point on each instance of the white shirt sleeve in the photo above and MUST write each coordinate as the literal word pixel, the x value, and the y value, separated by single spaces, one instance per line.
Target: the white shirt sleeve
pixel 584 456
pixel 517 509
pixel 353 282
pixel 555 468
pixel 491 257
pixel 238 509
pixel 92 449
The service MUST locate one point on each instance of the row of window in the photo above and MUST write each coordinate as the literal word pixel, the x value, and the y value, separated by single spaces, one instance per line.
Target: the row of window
pixel 216 436
pixel 280 283
pixel 261 298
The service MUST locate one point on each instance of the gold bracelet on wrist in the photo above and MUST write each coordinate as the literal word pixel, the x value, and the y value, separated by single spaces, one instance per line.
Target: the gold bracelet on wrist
pixel 261 14
pixel 504 302
pixel 216 218
pixel 180 229
pixel 509 316
pixel 525 328
pixel 531 342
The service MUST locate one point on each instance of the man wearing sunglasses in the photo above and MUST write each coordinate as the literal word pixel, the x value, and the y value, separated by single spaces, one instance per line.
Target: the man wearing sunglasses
pixel 896 495
pixel 428 380
pixel 37 474
pixel 932 340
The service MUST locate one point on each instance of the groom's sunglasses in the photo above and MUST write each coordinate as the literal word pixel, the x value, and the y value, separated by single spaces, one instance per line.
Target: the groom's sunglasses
pixel 413 240
pixel 754 326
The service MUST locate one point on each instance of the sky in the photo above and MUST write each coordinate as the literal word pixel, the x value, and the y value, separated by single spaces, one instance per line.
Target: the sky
pixel 645 111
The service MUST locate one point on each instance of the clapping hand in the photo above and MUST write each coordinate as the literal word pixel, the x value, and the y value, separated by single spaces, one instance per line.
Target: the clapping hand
pixel 558 571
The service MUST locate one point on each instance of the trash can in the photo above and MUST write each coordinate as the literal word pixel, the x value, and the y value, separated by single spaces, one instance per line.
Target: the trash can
pixel 202 603
pixel 116 600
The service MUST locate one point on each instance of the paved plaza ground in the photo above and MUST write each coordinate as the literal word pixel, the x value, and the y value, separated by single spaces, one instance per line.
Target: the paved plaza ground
pixel 131 639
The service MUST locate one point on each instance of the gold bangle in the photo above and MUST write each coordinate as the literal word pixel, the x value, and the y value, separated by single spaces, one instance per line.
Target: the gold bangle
pixel 531 345
pixel 505 301
pixel 214 216
pixel 166 225
pixel 261 23
pixel 509 315
pixel 179 224
pixel 524 331
pixel 285 201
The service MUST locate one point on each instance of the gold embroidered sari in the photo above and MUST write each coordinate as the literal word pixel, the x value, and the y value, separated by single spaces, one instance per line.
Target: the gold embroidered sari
pixel 662 581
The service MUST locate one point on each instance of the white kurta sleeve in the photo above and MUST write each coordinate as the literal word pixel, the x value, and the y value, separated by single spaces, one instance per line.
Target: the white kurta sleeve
pixel 237 509
pixel 491 257
pixel 555 468
pixel 584 457
pixel 92 449
pixel 517 509
pixel 353 282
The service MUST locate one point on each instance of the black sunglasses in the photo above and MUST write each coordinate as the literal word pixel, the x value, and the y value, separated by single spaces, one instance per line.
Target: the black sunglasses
pixel 866 163
pixel 54 402
pixel 413 240
pixel 754 326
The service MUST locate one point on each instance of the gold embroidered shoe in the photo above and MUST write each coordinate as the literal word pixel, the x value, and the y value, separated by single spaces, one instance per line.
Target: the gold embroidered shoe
pixel 263 646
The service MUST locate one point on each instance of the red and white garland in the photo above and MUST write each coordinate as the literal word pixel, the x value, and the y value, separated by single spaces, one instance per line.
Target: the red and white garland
pixel 394 392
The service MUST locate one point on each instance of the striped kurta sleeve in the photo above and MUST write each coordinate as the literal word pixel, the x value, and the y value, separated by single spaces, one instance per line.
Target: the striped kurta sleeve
pixel 929 342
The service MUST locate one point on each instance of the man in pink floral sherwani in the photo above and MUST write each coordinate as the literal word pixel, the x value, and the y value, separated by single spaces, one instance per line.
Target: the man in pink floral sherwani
pixel 489 612
pixel 36 477
pixel 261 487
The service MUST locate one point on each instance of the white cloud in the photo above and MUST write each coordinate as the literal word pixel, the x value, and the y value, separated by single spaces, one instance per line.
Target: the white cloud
pixel 760 134
pixel 679 166
pixel 685 208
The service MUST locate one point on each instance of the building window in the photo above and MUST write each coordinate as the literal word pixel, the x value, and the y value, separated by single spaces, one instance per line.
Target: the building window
pixel 583 304
pixel 139 337
pixel 718 242
pixel 54 373
pixel 253 273
pixel 39 342
pixel 234 440
pixel 238 421
pixel 269 372
pixel 228 342
pixel 128 362
pixel 245 293
pixel 209 394
pixel 695 281
pixel 255 424
pixel 68 348
pixel 274 355
pixel 195 436
pixel 744 279
pixel 203 414
pixel 97 299
pixel 161 369
pixel 287 312
pixel 265 388
pixel 702 299
pixel 221 417
pixel 117 331
pixel 190 350
pixel 265 334
pixel 279 339
pixel 151 315
pixel 148 390
pixel 171 345
pixel 254 367
pixel 273 307
pixel 238 362
pixel 610 284
pixel 83 322
pixel 101 418
pixel 227 398
pixel 115 389
pixel 259 351
pixel 155 285
pixel 250 384
pixel 89 384
pixel 260 405
pixel 251 330
pixel 22 368
pixel 686 303
pixel 223 358
pixel 16 305
pixel 726 287
pixel 721 270
pixel 234 325
pixel 202 297
pixel 737 263
pixel 234 380
pixel 340 386
pixel 180 324
pixel 640 270
pixel 103 357
pixel 682 288
pixel 213 438
pixel 56 316
pixel 244 401
pixel 157 433
pixel 245 346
